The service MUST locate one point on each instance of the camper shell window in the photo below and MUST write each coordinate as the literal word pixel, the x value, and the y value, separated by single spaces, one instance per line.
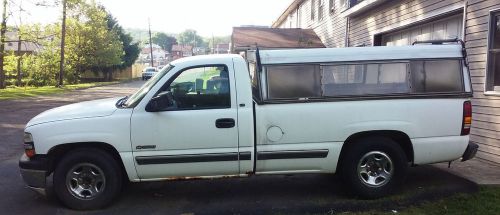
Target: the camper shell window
pixel 410 77
pixel 293 81
pixel 364 79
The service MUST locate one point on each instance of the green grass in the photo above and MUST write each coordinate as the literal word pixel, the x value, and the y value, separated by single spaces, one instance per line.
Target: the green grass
pixel 484 202
pixel 23 92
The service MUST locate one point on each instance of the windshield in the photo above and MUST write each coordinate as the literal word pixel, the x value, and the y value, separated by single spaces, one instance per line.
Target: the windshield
pixel 150 70
pixel 135 98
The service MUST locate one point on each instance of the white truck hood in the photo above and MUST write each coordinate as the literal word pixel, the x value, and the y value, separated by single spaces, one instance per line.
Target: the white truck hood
pixel 88 109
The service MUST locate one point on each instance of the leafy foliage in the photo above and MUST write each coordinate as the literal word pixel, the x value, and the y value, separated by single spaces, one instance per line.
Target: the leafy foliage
pixel 191 37
pixel 91 45
pixel 165 41
pixel 130 47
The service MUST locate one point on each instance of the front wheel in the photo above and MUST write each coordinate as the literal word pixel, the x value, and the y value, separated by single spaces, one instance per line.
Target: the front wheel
pixel 374 167
pixel 87 179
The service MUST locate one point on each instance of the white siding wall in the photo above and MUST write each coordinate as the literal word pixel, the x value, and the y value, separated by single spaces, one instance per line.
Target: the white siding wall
pixel 330 29
pixel 486 109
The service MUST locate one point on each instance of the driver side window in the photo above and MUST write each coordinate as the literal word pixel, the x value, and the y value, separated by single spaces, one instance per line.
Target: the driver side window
pixel 201 88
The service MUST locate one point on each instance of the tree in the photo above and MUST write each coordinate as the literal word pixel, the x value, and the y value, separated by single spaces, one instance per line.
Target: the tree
pixel 3 29
pixel 165 41
pixel 91 45
pixel 130 47
pixel 190 37
pixel 63 39
pixel 42 68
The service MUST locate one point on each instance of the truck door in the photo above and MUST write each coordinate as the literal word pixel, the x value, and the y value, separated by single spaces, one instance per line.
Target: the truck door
pixel 197 135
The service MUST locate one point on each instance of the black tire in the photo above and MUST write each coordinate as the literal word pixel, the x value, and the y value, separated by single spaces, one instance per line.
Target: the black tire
pixel 369 154
pixel 99 162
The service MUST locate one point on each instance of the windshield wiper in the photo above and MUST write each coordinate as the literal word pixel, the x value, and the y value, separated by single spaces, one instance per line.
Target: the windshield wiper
pixel 121 102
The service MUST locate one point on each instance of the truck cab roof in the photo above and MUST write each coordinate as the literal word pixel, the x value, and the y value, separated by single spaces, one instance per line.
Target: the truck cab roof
pixel 204 59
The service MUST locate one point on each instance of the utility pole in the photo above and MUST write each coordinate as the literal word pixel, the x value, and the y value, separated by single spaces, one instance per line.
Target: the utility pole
pixel 19 73
pixel 213 44
pixel 63 37
pixel 2 43
pixel 194 42
pixel 150 44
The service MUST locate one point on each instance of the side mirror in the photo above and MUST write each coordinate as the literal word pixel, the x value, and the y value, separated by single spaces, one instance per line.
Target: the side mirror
pixel 162 102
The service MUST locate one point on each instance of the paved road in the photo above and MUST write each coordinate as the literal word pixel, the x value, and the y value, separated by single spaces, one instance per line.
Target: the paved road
pixel 297 194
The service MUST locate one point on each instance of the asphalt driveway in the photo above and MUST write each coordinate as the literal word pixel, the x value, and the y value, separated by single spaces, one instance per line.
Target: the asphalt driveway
pixel 296 194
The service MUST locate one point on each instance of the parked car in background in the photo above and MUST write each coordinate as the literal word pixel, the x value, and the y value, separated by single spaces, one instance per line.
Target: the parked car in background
pixel 148 73
pixel 367 113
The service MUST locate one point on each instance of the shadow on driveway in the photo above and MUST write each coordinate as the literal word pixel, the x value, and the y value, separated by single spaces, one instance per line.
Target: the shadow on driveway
pixel 280 194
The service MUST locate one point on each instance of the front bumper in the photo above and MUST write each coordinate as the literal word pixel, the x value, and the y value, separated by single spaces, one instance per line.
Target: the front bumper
pixel 470 151
pixel 147 76
pixel 34 172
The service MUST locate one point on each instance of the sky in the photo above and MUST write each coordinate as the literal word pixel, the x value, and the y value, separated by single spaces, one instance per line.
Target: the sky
pixel 208 17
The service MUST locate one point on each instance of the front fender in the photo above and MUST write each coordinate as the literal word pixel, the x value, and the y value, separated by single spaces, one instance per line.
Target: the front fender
pixel 114 130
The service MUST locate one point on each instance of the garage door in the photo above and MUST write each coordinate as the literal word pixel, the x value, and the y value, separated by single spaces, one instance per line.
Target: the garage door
pixel 449 28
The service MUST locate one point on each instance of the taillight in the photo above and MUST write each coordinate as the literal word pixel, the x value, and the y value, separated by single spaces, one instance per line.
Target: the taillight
pixel 467 120
pixel 29 146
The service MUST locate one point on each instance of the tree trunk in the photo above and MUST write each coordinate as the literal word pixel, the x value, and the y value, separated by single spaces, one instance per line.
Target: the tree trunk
pixel 63 37
pixel 19 72
pixel 110 75
pixel 2 43
pixel 19 55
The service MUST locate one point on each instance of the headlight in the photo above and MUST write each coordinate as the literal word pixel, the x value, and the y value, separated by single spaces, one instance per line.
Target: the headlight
pixel 29 146
pixel 28 138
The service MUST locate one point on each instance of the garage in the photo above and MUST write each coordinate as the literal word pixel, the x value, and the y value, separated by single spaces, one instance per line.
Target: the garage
pixel 448 28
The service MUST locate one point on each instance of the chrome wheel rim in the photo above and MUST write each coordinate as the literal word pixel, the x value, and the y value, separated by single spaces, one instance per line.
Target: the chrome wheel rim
pixel 375 169
pixel 85 181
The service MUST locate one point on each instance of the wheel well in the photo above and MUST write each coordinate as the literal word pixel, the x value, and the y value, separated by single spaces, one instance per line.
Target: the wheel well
pixel 56 153
pixel 399 137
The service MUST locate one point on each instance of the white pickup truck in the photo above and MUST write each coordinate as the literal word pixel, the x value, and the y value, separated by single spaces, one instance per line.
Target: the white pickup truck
pixel 367 113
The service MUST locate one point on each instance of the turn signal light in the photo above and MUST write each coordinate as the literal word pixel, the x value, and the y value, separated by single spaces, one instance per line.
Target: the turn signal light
pixel 467 118
pixel 29 146
pixel 30 152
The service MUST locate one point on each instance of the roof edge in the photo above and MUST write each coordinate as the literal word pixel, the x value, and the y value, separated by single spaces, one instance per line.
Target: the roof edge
pixel 285 13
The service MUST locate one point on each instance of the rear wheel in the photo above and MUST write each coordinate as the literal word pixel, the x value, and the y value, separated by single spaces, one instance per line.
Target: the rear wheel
pixel 374 167
pixel 87 179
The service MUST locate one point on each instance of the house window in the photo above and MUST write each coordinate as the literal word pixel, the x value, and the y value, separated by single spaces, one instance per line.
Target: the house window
pixel 345 4
pixel 312 10
pixel 352 3
pixel 321 6
pixel 493 78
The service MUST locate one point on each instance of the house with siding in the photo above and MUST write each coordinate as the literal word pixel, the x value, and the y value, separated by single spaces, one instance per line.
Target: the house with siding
pixel 14 45
pixel 350 23
pixel 222 48
pixel 180 51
